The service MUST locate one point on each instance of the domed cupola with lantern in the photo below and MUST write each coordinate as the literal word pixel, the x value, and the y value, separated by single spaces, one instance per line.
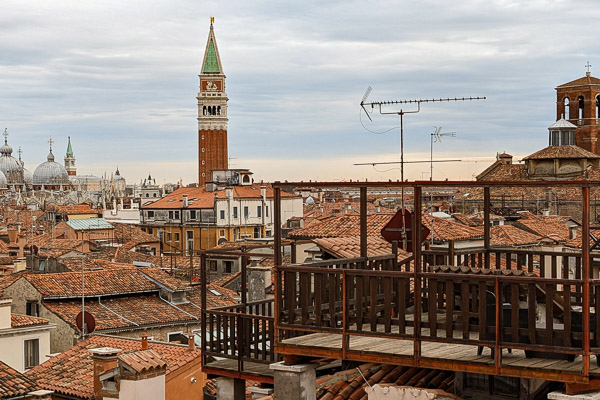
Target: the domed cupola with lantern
pixel 51 175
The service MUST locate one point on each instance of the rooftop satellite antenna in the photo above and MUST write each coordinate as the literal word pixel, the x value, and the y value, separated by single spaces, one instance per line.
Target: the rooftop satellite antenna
pixel 380 106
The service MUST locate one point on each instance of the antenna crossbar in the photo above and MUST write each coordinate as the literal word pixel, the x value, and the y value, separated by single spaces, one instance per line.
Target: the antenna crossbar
pixel 415 101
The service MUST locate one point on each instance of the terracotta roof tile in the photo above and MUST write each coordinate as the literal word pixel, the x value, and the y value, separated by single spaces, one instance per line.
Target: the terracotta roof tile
pixel 13 383
pixel 551 227
pixel 351 384
pixel 585 80
pixel 552 152
pixel 199 198
pixel 19 320
pixel 142 360
pixel 510 235
pixel 130 233
pixel 349 247
pixel 445 229
pixel 343 226
pixel 71 372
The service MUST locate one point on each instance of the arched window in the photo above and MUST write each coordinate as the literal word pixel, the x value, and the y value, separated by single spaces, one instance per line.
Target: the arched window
pixel 581 103
pixel 598 106
pixel 219 110
pixel 204 110
pixel 566 109
pixel 214 110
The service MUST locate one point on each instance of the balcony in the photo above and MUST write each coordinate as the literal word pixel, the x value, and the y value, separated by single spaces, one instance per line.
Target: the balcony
pixel 487 309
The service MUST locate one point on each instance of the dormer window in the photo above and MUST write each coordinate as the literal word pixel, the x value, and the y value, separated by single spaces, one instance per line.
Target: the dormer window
pixel 554 138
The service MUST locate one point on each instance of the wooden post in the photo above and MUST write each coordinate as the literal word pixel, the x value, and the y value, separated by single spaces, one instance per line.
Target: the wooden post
pixel 416 243
pixel 486 226
pixel 363 222
pixel 585 255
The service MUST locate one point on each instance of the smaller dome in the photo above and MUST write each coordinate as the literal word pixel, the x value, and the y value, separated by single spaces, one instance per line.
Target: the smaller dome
pixel 50 173
pixel 3 181
pixel 6 149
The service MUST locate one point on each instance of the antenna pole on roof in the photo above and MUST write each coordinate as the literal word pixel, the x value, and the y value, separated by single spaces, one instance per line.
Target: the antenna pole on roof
pixel 380 105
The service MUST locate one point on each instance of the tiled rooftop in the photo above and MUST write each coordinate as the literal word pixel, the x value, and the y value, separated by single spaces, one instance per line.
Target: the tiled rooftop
pixel 130 233
pixel 19 320
pixel 71 372
pixel 13 384
pixel 510 235
pixel 349 247
pixel 445 229
pixel 343 226
pixel 111 281
pixel 552 152
pixel 142 360
pixel 199 198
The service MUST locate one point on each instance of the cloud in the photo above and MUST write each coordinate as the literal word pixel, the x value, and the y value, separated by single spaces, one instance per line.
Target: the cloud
pixel 120 78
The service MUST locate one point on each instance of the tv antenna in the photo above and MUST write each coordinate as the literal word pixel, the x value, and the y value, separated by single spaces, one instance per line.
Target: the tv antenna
pixel 436 137
pixel 380 106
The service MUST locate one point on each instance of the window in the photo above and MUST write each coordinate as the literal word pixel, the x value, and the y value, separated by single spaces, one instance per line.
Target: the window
pixel 176 236
pixel 32 308
pixel 193 214
pixel 222 233
pixel 245 211
pixel 169 236
pixel 212 265
pixel 267 211
pixel 174 336
pixel 554 137
pixel 228 266
pixel 153 194
pixel 150 214
pixel 222 214
pixel 234 212
pixel 256 232
pixel 173 214
pixel 147 194
pixel 32 353
pixel 581 102
pixel 189 235
pixel 566 110
pixel 259 211
pixel 598 106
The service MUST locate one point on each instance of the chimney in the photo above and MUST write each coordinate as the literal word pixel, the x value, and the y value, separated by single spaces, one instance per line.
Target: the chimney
pixel 105 358
pixel 5 318
pixel 12 235
pixel 263 192
pixel 229 193
pixel 191 342
pixel 185 201
pixel 144 341
pixel 505 158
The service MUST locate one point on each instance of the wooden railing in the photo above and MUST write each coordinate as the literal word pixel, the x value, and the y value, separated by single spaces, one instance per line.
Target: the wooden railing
pixel 525 299
pixel 242 332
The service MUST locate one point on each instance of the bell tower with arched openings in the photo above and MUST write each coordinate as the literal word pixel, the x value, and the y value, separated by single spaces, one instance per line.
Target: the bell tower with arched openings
pixel 212 112
pixel 579 102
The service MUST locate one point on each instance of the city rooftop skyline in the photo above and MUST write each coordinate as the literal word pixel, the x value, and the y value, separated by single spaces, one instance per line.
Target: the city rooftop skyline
pixel 121 80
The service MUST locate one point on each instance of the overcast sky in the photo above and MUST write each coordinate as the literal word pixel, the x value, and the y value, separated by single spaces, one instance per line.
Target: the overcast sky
pixel 121 78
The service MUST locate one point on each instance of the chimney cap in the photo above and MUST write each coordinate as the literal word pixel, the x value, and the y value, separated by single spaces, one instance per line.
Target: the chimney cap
pixel 105 351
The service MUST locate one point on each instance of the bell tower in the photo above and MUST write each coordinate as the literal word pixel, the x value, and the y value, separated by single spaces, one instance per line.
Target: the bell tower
pixel 578 102
pixel 212 112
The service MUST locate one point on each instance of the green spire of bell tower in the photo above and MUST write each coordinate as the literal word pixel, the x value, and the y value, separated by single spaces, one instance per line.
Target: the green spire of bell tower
pixel 211 64
pixel 69 149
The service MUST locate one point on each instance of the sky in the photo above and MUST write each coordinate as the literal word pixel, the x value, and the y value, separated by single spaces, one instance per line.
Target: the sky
pixel 121 79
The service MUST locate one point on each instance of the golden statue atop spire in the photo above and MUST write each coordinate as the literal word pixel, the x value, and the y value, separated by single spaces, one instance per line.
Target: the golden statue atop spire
pixel 212 20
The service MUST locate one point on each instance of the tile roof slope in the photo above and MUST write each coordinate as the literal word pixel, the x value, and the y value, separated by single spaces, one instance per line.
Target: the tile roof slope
pixel 552 152
pixel 20 320
pixel 585 80
pixel 551 227
pixel 343 226
pixel 445 229
pixel 464 219
pixel 499 171
pixel 142 360
pixel 128 232
pixel 199 198
pixel 349 247
pixel 13 384
pixel 97 283
pixel 7 280
pixel 71 372
pixel 576 242
pixel 510 235
pixel 164 279
pixel 351 384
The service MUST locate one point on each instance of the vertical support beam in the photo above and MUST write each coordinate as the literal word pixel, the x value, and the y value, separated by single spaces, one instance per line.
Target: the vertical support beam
pixel 203 305
pixel 585 255
pixel 278 303
pixel 345 337
pixel 486 225
pixel 416 244
pixel 363 222
pixel 244 276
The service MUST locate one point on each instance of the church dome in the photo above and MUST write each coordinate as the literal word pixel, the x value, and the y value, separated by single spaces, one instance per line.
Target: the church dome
pixel 50 173
pixel 11 167
pixel 27 176
pixel 3 181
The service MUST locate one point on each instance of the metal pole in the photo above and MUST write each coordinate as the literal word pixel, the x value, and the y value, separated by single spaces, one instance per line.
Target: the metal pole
pixel 404 240
pixel 585 254
pixel 83 325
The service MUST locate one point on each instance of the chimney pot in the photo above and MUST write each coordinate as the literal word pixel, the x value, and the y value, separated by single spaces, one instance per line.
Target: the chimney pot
pixel 144 341
pixel 191 342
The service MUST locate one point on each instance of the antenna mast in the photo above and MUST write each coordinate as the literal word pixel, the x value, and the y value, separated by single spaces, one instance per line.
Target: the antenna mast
pixel 380 105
